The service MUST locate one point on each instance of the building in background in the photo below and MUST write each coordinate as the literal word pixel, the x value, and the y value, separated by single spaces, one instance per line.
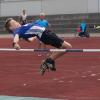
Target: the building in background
pixel 50 7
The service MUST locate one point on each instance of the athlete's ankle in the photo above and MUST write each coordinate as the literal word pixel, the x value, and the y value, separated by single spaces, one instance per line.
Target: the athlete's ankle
pixel 52 64
pixel 50 60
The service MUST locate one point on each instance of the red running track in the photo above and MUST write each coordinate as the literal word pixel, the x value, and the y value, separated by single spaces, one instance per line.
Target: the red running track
pixel 77 76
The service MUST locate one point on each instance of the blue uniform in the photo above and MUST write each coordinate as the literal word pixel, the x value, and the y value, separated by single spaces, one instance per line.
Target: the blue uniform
pixel 33 29
pixel 42 23
pixel 29 30
pixel 83 27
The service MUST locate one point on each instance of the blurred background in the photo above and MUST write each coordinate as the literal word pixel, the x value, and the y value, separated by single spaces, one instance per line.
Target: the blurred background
pixel 63 15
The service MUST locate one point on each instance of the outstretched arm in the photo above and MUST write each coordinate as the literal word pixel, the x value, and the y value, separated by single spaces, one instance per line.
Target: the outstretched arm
pixel 16 41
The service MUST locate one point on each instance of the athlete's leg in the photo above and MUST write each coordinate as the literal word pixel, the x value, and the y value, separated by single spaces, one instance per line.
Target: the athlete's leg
pixel 49 63
pixel 56 55
pixel 53 40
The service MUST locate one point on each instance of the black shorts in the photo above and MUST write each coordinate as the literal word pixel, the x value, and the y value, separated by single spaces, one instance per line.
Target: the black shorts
pixel 50 38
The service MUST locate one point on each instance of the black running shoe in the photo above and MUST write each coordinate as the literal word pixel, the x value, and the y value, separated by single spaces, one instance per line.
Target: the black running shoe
pixel 43 67
pixel 51 64
pixel 47 64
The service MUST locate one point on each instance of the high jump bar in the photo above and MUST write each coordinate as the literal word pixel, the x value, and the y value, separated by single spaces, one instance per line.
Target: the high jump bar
pixel 49 50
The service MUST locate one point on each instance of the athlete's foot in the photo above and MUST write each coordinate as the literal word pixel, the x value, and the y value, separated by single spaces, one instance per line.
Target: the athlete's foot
pixel 43 68
pixel 47 64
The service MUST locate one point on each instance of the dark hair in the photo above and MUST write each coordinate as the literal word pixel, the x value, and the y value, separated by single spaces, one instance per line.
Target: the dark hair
pixel 7 24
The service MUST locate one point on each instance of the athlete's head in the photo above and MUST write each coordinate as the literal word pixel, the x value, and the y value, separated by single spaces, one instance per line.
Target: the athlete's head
pixel 11 24
pixel 24 12
pixel 42 16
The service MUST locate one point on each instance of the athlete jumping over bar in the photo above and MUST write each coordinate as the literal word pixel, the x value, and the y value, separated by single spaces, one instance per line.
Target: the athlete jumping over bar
pixel 30 32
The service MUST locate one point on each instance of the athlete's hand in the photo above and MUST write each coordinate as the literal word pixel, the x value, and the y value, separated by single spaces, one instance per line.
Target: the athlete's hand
pixel 16 46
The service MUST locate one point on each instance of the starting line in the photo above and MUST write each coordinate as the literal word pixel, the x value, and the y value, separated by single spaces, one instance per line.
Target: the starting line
pixel 49 50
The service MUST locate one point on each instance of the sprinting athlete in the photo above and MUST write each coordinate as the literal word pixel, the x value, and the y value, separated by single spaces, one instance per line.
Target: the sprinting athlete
pixel 30 32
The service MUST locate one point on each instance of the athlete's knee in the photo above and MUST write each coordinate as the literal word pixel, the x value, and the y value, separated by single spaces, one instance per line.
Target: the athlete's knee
pixel 69 46
pixel 31 39
pixel 66 45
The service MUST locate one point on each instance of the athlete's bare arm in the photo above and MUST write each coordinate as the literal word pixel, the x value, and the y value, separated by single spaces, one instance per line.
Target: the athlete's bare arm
pixel 16 41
